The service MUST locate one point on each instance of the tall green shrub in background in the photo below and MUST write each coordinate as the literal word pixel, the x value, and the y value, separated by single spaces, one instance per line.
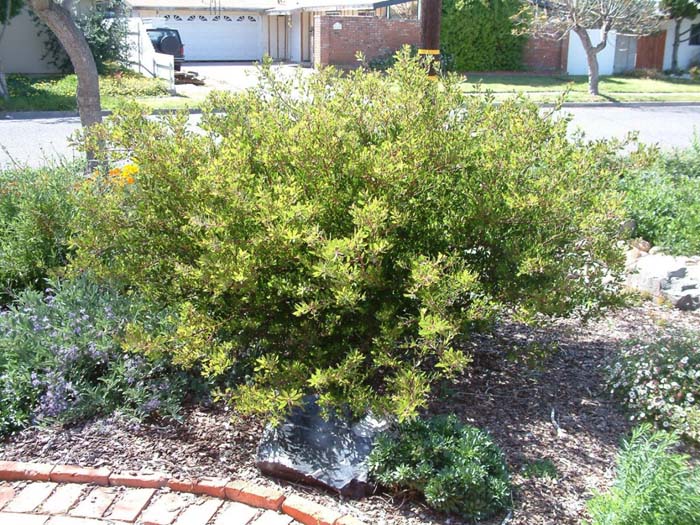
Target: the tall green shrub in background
pixel 477 35
pixel 341 236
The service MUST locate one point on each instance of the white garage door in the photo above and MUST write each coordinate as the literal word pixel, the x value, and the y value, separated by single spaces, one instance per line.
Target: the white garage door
pixel 233 36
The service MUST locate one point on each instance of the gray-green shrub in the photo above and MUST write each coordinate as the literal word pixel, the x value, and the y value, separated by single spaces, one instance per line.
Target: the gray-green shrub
pixel 456 467
pixel 653 485
pixel 341 235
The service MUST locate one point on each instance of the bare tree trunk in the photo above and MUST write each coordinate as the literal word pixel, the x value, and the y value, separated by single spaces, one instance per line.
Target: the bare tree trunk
pixel 676 45
pixel 60 21
pixel 592 57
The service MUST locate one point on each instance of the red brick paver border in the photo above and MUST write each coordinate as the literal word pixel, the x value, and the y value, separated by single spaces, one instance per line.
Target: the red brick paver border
pixel 57 495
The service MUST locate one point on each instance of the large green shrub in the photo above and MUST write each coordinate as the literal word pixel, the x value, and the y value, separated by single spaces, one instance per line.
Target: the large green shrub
pixel 35 214
pixel 340 236
pixel 665 201
pixel 654 486
pixel 479 35
pixel 456 467
pixel 659 381
pixel 62 358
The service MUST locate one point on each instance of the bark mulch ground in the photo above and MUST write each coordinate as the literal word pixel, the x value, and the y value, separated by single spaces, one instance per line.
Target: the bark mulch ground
pixel 540 392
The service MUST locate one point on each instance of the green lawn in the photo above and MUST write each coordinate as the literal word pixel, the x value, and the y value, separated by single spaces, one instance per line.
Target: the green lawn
pixel 57 93
pixel 612 89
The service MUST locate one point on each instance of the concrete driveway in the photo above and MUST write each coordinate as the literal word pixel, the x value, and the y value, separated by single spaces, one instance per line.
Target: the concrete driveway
pixel 232 76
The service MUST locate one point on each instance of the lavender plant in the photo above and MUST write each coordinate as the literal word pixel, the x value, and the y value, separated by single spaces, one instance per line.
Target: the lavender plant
pixel 62 358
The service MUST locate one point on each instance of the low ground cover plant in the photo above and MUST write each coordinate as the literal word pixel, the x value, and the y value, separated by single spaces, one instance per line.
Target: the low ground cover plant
pixel 36 207
pixel 62 358
pixel 665 201
pixel 456 467
pixel 659 381
pixel 653 485
pixel 338 234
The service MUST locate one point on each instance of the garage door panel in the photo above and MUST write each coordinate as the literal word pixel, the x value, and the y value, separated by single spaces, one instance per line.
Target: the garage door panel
pixel 233 36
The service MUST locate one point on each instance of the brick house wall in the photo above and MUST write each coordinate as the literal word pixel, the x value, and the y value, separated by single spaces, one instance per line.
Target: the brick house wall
pixel 337 39
pixel 546 54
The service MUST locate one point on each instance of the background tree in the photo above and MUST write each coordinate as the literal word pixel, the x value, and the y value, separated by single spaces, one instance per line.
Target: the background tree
pixel 677 10
pixel 478 35
pixel 8 10
pixel 560 17
pixel 59 19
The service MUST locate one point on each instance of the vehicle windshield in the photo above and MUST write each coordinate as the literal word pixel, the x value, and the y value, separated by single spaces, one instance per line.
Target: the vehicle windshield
pixel 157 34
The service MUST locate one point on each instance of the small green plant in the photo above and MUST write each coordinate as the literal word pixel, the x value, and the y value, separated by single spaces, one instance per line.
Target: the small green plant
pixel 456 467
pixel 659 381
pixel 61 358
pixel 653 486
pixel 540 468
pixel 664 201
pixel 35 213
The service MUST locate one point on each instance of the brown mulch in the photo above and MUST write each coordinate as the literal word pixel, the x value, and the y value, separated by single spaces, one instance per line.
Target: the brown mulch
pixel 539 392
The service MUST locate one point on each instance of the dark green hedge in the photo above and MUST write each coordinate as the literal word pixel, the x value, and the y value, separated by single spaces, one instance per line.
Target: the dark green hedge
pixel 477 35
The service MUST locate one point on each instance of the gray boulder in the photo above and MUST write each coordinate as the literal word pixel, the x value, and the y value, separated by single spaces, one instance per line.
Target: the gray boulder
pixel 676 279
pixel 332 454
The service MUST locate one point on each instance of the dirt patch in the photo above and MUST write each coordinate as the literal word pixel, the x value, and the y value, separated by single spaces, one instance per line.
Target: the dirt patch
pixel 539 392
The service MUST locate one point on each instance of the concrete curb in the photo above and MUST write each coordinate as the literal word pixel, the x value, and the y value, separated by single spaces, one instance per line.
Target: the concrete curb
pixel 35 115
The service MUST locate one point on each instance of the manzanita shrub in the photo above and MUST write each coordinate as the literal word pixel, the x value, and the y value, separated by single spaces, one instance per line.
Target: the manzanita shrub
pixel 339 234
pixel 63 358
pixel 456 467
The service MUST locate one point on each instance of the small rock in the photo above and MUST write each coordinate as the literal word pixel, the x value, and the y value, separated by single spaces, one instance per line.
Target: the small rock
pixel 641 244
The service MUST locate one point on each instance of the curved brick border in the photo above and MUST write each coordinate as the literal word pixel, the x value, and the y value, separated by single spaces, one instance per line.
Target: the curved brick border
pixel 301 509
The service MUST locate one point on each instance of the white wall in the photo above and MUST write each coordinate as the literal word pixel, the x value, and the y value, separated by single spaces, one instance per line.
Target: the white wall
pixel 21 49
pixel 686 53
pixel 294 36
pixel 576 61
pixel 143 57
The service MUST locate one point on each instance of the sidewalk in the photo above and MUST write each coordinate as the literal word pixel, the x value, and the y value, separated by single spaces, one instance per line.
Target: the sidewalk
pixel 42 494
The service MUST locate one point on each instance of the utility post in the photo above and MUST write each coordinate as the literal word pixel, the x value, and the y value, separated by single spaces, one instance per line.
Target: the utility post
pixel 430 16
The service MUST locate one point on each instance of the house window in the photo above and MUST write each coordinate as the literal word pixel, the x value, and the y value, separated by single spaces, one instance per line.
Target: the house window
pixel 694 39
pixel 408 10
pixel 332 13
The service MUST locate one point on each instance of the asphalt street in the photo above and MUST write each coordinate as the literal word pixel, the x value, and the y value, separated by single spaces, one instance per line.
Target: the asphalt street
pixel 38 141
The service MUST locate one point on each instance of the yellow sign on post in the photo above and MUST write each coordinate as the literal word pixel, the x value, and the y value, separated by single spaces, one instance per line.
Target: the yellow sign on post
pixel 435 53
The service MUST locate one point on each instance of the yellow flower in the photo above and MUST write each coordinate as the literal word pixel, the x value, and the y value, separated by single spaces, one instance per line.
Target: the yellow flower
pixel 130 170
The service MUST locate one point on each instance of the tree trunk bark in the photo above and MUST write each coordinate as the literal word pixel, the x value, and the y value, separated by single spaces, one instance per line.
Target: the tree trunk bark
pixel 592 59
pixel 676 45
pixel 60 21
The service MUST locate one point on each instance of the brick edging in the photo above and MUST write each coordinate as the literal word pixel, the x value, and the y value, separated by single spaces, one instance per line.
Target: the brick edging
pixel 301 509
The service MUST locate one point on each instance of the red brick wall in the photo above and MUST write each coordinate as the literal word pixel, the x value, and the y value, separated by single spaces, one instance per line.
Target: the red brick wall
pixel 374 36
pixel 545 54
